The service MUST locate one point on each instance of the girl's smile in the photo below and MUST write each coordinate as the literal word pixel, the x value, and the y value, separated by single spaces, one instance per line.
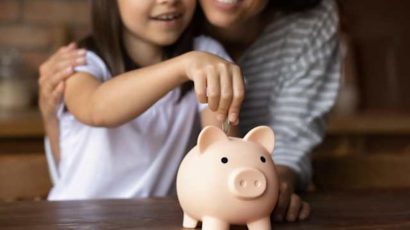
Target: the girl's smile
pixel 168 19
pixel 155 22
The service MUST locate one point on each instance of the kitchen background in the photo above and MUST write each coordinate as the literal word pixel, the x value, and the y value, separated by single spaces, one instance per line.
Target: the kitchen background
pixel 368 138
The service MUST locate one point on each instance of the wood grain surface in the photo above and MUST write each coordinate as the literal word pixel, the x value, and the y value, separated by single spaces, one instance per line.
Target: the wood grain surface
pixel 364 209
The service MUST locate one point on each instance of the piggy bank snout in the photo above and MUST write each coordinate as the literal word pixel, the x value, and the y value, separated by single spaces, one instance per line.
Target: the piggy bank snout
pixel 247 183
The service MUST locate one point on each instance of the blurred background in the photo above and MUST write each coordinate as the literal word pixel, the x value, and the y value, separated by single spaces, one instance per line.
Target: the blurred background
pixel 368 138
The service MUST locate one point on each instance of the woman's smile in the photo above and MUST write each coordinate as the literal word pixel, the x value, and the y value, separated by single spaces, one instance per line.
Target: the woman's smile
pixel 227 5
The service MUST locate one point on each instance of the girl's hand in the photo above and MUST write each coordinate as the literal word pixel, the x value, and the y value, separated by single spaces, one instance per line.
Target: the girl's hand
pixel 53 72
pixel 290 206
pixel 217 82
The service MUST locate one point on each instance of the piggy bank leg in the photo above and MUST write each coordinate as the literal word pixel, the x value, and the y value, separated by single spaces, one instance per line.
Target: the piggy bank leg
pixel 261 224
pixel 210 223
pixel 189 222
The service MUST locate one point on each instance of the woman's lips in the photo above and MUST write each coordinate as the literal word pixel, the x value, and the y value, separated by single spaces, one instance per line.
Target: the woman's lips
pixel 227 5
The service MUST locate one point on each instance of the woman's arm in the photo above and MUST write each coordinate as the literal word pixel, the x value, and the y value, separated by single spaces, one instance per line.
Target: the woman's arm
pixel 128 95
pixel 307 95
pixel 53 72
pixel 53 133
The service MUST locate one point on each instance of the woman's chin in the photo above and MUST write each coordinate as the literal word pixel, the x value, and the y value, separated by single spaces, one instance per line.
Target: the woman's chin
pixel 222 22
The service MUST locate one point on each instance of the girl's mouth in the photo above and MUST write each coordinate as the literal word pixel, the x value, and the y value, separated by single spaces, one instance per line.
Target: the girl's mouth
pixel 167 17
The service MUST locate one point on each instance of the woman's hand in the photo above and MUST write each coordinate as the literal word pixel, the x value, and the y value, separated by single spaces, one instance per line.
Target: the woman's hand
pixel 217 82
pixel 290 206
pixel 53 72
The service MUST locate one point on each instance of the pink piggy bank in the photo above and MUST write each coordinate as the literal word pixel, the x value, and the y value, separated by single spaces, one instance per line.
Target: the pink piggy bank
pixel 225 180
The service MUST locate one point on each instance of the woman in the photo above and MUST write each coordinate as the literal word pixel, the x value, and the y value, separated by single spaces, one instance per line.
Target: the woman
pixel 289 54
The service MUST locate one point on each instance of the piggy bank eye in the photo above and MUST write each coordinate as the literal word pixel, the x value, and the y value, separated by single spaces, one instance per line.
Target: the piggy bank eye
pixel 224 160
pixel 263 159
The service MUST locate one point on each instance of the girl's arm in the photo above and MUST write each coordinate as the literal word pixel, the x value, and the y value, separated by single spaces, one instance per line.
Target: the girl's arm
pixel 112 103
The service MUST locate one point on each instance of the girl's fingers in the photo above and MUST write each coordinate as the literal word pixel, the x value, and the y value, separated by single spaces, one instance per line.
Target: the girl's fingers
pixel 305 211
pixel 283 202
pixel 295 206
pixel 226 91
pixel 200 86
pixel 213 88
pixel 238 95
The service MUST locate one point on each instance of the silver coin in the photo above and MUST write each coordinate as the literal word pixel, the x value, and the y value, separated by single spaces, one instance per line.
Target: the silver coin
pixel 226 126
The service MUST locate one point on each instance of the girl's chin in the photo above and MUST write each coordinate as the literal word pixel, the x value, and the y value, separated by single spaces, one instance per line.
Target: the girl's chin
pixel 166 41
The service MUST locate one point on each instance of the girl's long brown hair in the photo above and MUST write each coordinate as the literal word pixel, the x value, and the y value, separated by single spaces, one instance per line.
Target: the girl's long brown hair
pixel 107 34
pixel 107 39
pixel 107 27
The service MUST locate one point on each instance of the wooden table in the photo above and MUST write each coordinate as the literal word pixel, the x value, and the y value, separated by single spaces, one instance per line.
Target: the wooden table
pixel 338 210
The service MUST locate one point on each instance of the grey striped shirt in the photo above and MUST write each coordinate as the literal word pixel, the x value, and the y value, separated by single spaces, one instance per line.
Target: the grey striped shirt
pixel 292 77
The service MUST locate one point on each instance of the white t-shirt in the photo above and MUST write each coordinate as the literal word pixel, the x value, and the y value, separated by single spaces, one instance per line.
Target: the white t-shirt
pixel 137 159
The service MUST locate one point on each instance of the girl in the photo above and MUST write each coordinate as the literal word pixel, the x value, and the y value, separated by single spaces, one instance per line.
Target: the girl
pixel 288 51
pixel 124 128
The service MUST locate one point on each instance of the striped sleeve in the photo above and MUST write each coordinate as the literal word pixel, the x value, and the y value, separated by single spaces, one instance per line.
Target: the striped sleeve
pixel 309 90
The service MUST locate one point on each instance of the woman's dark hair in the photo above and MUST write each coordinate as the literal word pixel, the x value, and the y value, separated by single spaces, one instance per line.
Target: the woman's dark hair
pixel 291 5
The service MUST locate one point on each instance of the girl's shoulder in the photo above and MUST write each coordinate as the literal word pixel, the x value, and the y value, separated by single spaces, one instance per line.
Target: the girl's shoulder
pixel 207 44
pixel 94 66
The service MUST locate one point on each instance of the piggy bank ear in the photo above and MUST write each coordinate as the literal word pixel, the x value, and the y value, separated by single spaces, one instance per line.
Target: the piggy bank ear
pixel 208 136
pixel 262 135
